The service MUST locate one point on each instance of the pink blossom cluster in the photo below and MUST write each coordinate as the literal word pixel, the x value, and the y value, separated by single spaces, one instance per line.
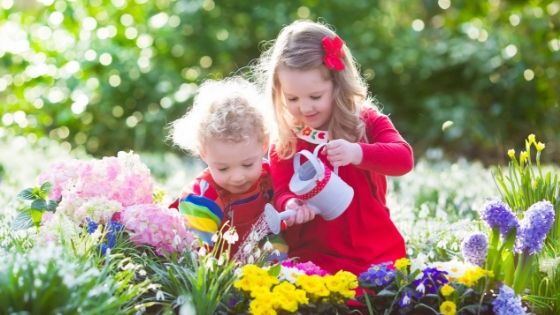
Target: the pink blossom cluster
pixel 309 268
pixel 99 188
pixel 162 228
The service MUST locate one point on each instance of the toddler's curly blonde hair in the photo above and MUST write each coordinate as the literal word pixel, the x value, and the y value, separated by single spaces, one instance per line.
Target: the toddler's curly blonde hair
pixel 226 110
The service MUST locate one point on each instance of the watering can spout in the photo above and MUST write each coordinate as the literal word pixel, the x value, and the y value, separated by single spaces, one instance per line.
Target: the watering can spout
pixel 275 220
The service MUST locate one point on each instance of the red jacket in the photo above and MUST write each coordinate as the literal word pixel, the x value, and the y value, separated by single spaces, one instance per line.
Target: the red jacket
pixel 364 234
pixel 241 210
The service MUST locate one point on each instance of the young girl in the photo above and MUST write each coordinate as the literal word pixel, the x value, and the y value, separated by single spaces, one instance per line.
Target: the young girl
pixel 319 96
pixel 228 132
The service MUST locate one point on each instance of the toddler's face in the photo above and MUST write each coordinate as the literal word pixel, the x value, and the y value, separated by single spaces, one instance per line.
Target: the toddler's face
pixel 234 166
pixel 307 95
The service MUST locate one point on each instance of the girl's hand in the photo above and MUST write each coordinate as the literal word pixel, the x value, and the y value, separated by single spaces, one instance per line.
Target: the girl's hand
pixel 303 212
pixel 340 152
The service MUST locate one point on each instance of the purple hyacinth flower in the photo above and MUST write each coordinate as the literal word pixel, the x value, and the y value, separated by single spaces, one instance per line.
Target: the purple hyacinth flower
pixel 535 225
pixel 507 303
pixel 91 225
pixel 113 228
pixel 499 215
pixel 474 248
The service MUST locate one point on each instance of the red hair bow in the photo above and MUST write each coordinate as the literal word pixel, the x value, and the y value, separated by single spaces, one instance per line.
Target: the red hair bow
pixel 333 53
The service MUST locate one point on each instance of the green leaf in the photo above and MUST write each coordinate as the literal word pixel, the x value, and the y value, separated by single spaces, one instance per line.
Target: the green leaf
pixel 22 221
pixel 36 216
pixel 39 204
pixel 51 205
pixel 386 293
pixel 26 194
pixel 46 187
pixel 274 271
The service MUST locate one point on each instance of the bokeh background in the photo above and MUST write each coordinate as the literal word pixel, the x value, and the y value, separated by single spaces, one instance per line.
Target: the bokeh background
pixel 472 78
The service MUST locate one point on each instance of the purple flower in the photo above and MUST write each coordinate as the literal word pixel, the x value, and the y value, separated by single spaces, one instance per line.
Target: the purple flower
pixel 535 225
pixel 499 215
pixel 113 228
pixel 377 275
pixel 507 303
pixel 91 225
pixel 406 299
pixel 474 248
pixel 431 281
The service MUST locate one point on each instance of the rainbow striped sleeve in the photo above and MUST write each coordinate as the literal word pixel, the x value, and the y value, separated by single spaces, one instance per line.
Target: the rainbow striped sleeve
pixel 202 215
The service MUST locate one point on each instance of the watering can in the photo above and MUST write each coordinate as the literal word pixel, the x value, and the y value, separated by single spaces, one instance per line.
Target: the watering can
pixel 319 187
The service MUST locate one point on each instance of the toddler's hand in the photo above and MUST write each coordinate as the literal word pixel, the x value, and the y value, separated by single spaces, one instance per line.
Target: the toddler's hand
pixel 304 213
pixel 340 152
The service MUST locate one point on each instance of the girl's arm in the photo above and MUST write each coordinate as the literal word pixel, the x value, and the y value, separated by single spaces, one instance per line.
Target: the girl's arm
pixel 386 152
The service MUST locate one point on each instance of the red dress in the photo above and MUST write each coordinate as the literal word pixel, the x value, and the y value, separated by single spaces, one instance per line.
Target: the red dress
pixel 364 234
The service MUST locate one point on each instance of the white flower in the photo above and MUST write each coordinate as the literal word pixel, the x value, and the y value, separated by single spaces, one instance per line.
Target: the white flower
pixel 160 296
pixel 406 300
pixel 549 265
pixel 214 237
pixel 231 237
pixel 202 251
pixel 289 274
pixel 247 248
pixel 421 288
pixel 268 246
pixel 210 263
pixel 454 268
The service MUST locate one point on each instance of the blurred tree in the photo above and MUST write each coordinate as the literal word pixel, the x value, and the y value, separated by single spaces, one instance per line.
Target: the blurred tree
pixel 111 74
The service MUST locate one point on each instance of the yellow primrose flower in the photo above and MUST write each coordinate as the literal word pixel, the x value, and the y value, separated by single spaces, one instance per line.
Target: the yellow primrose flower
pixel 313 284
pixel 342 283
pixel 448 308
pixel 472 275
pixel 261 307
pixel 254 278
pixel 347 279
pixel 402 263
pixel 287 292
pixel 540 146
pixel 447 290
pixel 531 138
pixel 511 153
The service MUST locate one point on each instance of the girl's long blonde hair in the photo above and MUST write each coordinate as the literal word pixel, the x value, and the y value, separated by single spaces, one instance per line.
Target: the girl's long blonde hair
pixel 299 47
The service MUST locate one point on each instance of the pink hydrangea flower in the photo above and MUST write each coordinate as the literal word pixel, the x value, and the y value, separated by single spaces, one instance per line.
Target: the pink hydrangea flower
pixel 162 228
pixel 98 188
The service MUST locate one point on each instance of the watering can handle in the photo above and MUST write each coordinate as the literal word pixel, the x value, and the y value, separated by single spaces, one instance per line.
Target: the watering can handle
pixel 316 152
pixel 312 159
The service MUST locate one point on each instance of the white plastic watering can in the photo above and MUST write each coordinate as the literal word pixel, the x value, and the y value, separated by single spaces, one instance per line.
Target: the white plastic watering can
pixel 322 189
pixel 319 187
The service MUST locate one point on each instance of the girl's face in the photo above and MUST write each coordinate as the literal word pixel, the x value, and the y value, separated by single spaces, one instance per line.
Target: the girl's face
pixel 307 95
pixel 234 166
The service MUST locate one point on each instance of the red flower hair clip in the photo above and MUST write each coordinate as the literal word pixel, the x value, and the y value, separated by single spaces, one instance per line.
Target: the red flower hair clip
pixel 334 54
